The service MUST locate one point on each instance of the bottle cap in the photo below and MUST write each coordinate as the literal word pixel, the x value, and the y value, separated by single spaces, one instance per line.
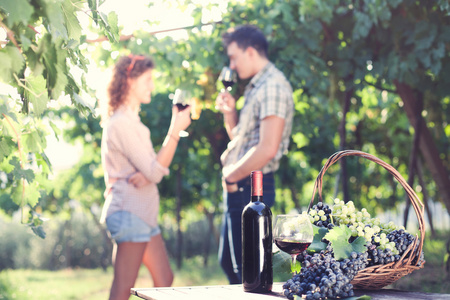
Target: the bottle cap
pixel 257 187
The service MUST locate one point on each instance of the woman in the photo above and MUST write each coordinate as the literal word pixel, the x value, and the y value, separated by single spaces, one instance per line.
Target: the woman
pixel 132 170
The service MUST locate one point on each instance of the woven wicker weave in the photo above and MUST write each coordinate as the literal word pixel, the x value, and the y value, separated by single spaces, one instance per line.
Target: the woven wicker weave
pixel 379 276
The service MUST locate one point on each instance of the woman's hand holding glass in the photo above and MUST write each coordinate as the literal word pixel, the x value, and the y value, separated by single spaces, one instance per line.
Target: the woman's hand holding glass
pixel 182 108
pixel 181 119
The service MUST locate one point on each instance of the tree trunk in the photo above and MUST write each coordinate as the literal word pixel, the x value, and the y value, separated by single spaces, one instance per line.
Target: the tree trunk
pixel 212 232
pixel 68 245
pixel 426 199
pixel 427 146
pixel 336 185
pixel 295 198
pixel 413 156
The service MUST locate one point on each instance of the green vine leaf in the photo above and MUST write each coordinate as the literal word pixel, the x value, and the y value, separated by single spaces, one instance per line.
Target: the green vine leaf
pixel 12 62
pixel 112 30
pixel 56 129
pixel 20 173
pixel 72 24
pixel 34 141
pixel 281 262
pixel 37 93
pixel 39 231
pixel 6 166
pixel 27 193
pixel 93 6
pixel 56 20
pixel 339 239
pixel 317 245
pixel 35 222
pixel 6 147
pixel 18 11
pixel 32 194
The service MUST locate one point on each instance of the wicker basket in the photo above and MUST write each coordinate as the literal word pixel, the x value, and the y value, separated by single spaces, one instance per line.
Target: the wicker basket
pixel 378 276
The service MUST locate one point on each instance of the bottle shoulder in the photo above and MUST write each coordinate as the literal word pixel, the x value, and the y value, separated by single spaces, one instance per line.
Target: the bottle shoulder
pixel 257 207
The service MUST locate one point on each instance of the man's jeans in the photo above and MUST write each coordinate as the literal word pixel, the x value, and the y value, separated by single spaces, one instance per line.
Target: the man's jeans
pixel 230 247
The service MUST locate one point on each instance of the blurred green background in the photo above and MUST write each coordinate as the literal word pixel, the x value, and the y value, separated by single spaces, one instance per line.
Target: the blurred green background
pixel 367 75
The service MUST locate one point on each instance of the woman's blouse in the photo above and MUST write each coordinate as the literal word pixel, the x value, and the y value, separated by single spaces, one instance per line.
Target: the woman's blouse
pixel 127 149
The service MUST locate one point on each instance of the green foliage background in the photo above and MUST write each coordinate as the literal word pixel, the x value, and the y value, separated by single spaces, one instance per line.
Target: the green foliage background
pixel 344 59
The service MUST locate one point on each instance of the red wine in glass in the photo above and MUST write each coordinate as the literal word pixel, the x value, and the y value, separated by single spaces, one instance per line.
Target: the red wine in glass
pixel 227 77
pixel 181 106
pixel 227 84
pixel 181 100
pixel 291 247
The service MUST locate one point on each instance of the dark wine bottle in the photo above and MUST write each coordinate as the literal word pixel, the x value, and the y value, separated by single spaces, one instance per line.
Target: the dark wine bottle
pixel 257 273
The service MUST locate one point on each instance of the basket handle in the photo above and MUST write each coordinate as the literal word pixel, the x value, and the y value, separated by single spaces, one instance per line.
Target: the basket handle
pixel 415 201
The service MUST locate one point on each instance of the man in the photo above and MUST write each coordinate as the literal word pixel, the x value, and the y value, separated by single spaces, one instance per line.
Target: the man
pixel 259 135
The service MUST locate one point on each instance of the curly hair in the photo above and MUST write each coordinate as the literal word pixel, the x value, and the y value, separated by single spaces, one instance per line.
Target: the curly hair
pixel 130 66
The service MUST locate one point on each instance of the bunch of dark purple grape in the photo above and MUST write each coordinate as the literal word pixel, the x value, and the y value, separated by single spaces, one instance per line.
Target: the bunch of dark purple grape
pixel 380 257
pixel 322 215
pixel 402 240
pixel 322 276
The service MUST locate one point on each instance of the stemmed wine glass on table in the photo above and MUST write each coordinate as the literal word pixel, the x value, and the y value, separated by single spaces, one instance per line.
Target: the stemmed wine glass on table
pixel 293 234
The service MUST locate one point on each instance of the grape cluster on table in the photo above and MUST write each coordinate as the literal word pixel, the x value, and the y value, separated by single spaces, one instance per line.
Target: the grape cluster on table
pixel 325 277
pixel 322 276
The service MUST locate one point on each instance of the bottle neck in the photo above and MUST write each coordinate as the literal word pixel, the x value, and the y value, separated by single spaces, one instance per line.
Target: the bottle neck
pixel 257 198
pixel 257 186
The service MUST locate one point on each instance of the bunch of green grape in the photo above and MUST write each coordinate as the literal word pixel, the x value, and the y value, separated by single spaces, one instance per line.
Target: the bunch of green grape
pixel 359 221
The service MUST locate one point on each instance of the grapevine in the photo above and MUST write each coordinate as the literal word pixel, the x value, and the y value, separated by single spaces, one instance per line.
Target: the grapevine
pixel 354 241
pixel 40 46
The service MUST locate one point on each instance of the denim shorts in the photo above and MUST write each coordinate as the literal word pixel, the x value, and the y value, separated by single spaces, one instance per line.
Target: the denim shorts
pixel 127 227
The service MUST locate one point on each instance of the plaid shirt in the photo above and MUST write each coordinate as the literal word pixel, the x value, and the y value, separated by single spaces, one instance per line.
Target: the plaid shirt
pixel 127 149
pixel 267 94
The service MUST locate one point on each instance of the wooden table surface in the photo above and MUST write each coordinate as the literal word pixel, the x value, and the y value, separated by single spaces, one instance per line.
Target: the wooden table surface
pixel 235 292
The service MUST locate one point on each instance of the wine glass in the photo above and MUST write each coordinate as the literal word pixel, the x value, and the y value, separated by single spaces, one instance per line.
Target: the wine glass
pixel 228 78
pixel 293 234
pixel 182 99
